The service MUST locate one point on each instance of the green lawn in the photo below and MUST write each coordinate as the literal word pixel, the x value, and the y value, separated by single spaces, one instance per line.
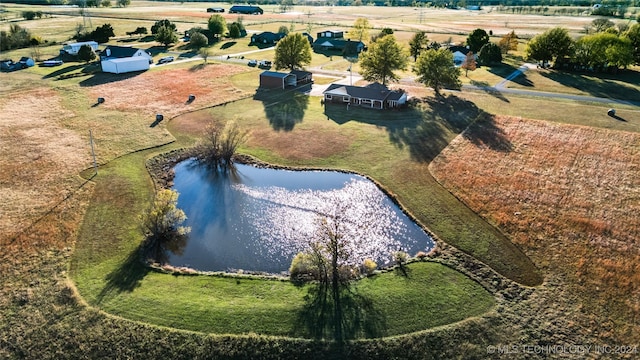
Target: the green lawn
pixel 108 274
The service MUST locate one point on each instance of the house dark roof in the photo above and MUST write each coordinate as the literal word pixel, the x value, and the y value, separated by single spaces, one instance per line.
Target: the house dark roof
pixel 275 74
pixel 375 91
pixel 339 44
pixel 246 9
pixel 112 51
pixel 267 37
pixel 332 34
pixel 300 74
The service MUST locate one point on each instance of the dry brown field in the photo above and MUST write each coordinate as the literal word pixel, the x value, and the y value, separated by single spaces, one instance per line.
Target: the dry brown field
pixel 569 196
pixel 44 132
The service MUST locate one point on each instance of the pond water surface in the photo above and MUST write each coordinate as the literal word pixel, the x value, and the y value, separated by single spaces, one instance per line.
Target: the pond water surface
pixel 257 219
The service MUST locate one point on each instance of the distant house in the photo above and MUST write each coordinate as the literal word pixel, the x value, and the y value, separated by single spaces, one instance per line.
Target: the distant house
pixel 267 37
pixel 332 34
pixel 374 96
pixel 246 9
pixel 73 48
pixel 215 10
pixel 333 40
pixel 121 59
pixel 341 45
pixel 460 54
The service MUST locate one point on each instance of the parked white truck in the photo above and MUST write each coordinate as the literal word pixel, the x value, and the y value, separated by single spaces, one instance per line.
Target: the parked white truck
pixel 73 48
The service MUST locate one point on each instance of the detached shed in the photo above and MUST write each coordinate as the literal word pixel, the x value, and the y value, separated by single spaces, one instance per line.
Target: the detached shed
pixel 276 80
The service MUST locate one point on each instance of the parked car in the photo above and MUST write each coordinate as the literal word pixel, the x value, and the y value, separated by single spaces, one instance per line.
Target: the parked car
pixel 166 59
pixel 264 64
pixel 253 63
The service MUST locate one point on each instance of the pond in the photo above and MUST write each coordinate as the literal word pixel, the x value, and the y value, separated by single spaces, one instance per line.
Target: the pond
pixel 258 219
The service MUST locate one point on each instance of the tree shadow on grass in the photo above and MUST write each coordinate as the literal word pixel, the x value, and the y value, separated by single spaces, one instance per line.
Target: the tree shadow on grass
pixel 228 44
pixel 426 127
pixel 605 86
pixel 485 133
pixel 63 71
pixel 350 316
pixel 283 108
pixel 126 277
pixel 106 78
pixel 483 85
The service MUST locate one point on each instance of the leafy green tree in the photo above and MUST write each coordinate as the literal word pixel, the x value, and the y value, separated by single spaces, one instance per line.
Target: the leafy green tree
pixel 283 30
pixel 508 42
pixel 477 39
pixel 161 225
pixel 633 34
pixel 217 25
pixel 435 69
pixel 551 45
pixel 220 144
pixel 86 53
pixel 198 40
pixel 360 29
pixel 418 43
pixel 102 33
pixel 490 54
pixel 29 15
pixel 236 30
pixel 124 3
pixel 163 23
pixel 292 52
pixel 603 50
pixel 105 3
pixel 382 59
pixel 166 36
pixel 16 38
pixel 602 24
pixel 204 53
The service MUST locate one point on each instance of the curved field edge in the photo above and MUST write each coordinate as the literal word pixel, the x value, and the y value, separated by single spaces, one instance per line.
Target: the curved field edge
pixel 108 274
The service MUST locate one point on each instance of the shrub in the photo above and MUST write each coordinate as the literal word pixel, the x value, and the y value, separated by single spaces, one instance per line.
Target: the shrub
pixel 369 266
pixel 303 267
pixel 400 257
pixel 198 40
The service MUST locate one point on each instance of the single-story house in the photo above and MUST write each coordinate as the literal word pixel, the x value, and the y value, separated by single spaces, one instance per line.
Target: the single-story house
pixel 332 34
pixel 121 59
pixel 267 37
pixel 460 54
pixel 374 96
pixel 346 46
pixel 277 80
pixel 302 77
pixel 245 9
